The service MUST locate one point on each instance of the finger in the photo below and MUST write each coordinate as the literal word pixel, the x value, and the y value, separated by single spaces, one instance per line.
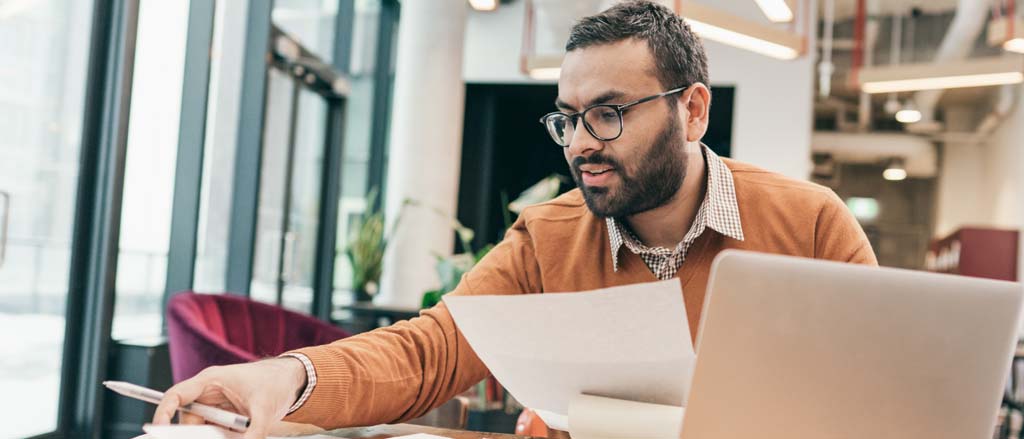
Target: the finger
pixel 190 419
pixel 260 417
pixel 178 395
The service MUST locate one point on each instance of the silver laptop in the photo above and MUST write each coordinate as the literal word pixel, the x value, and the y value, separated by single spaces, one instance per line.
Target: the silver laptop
pixel 794 348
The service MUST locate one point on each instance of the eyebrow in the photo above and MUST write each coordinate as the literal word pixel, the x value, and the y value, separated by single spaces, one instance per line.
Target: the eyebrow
pixel 600 99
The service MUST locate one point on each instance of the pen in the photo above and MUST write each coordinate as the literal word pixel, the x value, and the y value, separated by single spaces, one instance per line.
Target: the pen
pixel 215 415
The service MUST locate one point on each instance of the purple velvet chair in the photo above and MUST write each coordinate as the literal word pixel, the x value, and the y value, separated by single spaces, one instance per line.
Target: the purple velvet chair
pixel 209 330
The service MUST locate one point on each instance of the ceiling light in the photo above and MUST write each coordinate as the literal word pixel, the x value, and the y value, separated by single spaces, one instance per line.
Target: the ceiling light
pixel 725 28
pixel 776 10
pixel 978 72
pixel 895 170
pixel 742 41
pixel 944 82
pixel 1014 45
pixel 544 67
pixel 894 174
pixel 484 5
pixel 545 73
pixel 909 113
pixel 908 116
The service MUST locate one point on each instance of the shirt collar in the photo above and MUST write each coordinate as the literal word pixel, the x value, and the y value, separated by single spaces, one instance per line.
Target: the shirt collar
pixel 719 210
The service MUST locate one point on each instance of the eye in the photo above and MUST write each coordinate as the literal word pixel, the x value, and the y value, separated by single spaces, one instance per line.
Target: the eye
pixel 608 114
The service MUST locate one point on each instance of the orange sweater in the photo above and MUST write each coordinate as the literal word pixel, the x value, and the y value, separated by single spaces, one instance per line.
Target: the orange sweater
pixel 400 372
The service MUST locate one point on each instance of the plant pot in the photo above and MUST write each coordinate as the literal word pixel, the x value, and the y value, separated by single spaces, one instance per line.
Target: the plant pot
pixel 360 295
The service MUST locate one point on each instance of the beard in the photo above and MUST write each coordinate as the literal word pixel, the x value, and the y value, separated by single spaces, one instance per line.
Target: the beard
pixel 659 175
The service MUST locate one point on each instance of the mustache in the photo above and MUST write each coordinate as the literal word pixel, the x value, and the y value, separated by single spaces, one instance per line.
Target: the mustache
pixel 594 159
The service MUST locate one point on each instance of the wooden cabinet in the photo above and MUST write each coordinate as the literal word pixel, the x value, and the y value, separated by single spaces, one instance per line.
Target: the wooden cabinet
pixel 976 252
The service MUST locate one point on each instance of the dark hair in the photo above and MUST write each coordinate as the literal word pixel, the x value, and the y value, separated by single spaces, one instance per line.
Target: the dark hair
pixel 678 54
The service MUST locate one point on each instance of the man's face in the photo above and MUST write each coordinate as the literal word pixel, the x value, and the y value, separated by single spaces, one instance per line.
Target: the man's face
pixel 644 167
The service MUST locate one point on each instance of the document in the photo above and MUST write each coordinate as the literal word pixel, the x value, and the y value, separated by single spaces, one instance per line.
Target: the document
pixel 628 343
pixel 213 432
pixel 178 431
pixel 594 417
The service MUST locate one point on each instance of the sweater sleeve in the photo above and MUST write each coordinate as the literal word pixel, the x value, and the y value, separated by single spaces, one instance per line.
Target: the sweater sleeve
pixel 400 372
pixel 839 237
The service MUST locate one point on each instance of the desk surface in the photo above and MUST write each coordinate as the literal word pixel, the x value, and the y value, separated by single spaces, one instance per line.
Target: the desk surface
pixel 389 431
pixel 382 432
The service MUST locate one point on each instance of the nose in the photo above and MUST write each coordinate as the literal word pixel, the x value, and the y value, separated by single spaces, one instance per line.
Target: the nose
pixel 583 143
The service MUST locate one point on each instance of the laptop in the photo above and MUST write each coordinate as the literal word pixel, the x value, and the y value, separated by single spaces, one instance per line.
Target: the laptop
pixel 793 348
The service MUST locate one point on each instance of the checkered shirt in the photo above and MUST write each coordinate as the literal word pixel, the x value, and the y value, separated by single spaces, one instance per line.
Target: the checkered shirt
pixel 310 380
pixel 719 211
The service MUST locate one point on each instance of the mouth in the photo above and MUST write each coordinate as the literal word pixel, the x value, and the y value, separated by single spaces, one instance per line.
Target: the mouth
pixel 596 175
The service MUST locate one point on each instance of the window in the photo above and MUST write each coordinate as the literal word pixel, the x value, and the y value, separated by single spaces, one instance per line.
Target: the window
pixel 221 142
pixel 359 125
pixel 42 89
pixel 149 169
pixel 311 22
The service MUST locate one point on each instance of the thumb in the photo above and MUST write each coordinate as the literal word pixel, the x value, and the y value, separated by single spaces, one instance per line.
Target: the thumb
pixel 177 396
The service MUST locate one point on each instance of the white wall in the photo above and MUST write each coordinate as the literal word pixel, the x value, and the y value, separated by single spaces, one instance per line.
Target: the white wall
pixel 772 112
pixel 1004 166
pixel 426 146
pixel 981 184
pixel 960 185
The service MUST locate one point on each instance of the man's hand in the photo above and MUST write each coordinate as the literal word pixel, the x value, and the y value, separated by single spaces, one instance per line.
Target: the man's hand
pixel 263 391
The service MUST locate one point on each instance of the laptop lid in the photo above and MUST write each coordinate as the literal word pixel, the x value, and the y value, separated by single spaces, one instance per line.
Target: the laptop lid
pixel 801 348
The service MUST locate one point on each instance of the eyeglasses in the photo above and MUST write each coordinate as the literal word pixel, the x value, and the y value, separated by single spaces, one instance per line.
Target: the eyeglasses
pixel 603 121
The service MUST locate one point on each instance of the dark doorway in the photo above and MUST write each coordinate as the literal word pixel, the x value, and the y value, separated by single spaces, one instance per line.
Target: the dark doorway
pixel 505 148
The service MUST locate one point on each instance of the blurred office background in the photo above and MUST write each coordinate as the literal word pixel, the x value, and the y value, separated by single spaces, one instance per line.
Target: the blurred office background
pixel 150 147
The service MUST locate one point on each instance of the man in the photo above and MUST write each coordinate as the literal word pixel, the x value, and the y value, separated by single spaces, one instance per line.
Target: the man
pixel 653 203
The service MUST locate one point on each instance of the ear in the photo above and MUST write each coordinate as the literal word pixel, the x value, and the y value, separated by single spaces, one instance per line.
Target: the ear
pixel 697 101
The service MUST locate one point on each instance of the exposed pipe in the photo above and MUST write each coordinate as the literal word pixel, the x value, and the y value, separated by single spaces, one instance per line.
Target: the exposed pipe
pixel 869 35
pixel 1007 97
pixel 858 41
pixel 892 104
pixel 919 152
pixel 1011 15
pixel 825 67
pixel 968 22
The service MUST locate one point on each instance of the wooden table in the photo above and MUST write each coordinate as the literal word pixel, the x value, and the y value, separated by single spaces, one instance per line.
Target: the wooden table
pixel 383 432
pixel 389 431
pixel 367 316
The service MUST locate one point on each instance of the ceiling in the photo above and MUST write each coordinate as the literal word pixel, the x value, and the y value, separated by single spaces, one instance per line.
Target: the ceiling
pixel 848 8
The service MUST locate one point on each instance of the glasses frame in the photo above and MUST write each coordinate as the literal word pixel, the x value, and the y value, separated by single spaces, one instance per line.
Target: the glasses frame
pixel 619 109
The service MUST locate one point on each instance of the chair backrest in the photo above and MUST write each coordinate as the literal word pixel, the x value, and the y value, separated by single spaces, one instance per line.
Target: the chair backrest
pixel 208 330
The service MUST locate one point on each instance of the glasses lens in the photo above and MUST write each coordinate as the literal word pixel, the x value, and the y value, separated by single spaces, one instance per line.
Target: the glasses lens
pixel 560 128
pixel 604 121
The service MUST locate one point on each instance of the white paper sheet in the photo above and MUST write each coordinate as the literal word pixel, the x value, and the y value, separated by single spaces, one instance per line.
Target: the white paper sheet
pixel 420 436
pixel 178 431
pixel 630 342
pixel 595 417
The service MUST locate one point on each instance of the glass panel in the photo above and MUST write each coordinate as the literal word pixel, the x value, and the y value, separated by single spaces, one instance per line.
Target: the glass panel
pixel 219 151
pixel 149 169
pixel 45 46
pixel 359 117
pixel 311 22
pixel 270 213
pixel 300 255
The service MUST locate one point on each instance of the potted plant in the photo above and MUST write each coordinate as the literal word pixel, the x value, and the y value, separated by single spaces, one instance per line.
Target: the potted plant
pixel 365 249
pixel 451 268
